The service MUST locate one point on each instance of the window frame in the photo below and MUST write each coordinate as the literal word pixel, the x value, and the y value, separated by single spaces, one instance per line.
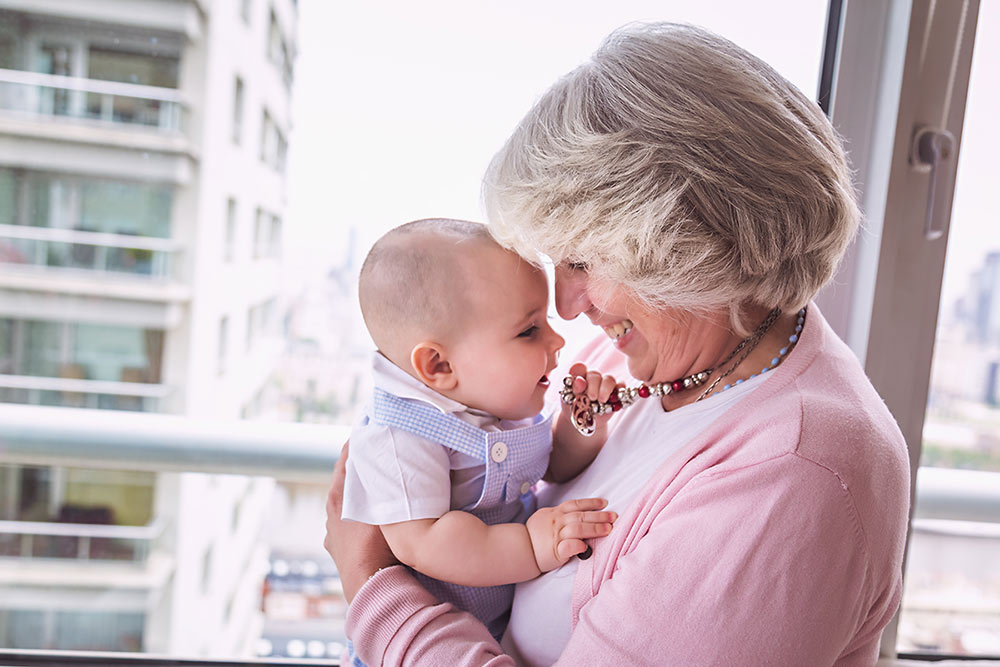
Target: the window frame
pixel 884 300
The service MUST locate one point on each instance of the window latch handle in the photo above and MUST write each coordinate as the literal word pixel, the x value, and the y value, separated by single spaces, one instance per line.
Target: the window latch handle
pixel 930 149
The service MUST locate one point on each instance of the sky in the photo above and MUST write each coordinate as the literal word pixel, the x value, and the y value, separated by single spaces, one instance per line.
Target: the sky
pixel 398 106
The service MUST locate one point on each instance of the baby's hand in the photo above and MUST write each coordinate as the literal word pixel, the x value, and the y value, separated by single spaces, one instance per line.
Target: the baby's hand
pixel 595 386
pixel 558 533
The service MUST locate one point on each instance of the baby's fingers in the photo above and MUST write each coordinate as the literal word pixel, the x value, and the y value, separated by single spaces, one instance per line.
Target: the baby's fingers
pixel 584 531
pixel 566 549
pixel 582 505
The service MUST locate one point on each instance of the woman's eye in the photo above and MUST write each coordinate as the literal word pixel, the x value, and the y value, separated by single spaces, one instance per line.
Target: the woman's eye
pixel 529 332
pixel 577 266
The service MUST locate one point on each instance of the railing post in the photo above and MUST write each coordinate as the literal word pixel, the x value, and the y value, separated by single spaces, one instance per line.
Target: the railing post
pixel 83 547
pixel 107 108
pixel 27 545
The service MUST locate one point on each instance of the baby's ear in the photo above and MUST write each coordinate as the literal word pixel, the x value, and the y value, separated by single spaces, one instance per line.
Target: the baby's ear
pixel 433 369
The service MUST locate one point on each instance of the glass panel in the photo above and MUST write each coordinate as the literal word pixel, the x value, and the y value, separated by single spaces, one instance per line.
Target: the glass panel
pixel 116 353
pixel 138 209
pixel 88 630
pixel 8 198
pixel 44 353
pixel 6 346
pixel 127 67
pixel 952 599
pixel 89 352
pixel 22 628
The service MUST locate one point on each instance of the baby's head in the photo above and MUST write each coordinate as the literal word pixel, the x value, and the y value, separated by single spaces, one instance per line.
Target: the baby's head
pixel 467 318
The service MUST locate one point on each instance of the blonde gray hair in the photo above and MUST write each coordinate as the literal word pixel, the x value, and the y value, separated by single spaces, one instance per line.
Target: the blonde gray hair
pixel 683 168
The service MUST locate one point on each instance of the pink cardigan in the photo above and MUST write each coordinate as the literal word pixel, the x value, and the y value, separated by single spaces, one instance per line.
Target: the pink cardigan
pixel 774 538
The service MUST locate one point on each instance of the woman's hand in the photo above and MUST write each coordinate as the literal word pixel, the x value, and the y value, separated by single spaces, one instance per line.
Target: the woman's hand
pixel 358 549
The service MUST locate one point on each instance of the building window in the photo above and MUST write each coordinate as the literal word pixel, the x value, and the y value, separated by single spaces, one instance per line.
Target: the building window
pixel 273 145
pixel 266 235
pixel 277 50
pixel 238 111
pixel 206 571
pixel 251 327
pixel 223 344
pixel 77 351
pixel 229 243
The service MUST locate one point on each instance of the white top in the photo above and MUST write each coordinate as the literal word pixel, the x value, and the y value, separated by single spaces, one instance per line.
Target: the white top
pixel 394 475
pixel 643 438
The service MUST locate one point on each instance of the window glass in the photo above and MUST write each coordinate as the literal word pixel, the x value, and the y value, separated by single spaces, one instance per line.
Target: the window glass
pixel 951 602
pixel 146 69
pixel 119 207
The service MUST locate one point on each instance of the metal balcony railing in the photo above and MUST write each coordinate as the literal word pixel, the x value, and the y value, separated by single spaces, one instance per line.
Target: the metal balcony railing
pixel 108 102
pixel 307 452
pixel 43 435
pixel 87 251
pixel 43 539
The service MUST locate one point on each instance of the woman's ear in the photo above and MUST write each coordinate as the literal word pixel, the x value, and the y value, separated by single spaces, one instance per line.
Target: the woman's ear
pixel 433 369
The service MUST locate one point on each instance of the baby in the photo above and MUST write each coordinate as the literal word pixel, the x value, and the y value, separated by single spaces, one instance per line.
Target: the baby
pixel 447 453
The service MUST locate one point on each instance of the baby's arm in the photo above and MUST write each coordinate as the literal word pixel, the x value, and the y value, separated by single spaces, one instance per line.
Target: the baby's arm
pixel 571 450
pixel 461 549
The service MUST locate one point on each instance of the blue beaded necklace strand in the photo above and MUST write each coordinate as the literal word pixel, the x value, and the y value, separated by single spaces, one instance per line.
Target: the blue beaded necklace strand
pixel 792 340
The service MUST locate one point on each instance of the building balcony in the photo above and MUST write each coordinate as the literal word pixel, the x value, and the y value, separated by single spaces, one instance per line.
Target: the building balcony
pixel 77 100
pixel 80 541
pixel 81 393
pixel 184 17
pixel 73 250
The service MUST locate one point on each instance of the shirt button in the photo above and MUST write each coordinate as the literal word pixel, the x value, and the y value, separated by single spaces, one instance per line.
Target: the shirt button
pixel 525 488
pixel 498 452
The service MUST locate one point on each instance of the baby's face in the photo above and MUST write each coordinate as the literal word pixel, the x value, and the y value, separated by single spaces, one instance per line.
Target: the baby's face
pixel 503 359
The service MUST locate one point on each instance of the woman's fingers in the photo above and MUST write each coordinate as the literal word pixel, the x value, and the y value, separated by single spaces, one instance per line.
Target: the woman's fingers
pixel 578 369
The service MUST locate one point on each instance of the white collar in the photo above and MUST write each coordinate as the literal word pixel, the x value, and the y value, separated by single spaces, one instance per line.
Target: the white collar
pixel 393 379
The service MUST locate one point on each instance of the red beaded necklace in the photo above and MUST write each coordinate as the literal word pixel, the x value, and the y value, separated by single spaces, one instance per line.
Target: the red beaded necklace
pixel 584 409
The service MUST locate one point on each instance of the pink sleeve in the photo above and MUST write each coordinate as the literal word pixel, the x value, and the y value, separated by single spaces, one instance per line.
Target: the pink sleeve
pixel 394 621
pixel 764 565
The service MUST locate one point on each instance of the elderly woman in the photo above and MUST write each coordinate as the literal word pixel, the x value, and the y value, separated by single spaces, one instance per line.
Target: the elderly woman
pixel 693 203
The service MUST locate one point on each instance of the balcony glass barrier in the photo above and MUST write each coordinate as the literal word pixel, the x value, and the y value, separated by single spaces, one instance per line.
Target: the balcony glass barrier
pixel 113 103
pixel 87 251
pixel 75 393
pixel 79 541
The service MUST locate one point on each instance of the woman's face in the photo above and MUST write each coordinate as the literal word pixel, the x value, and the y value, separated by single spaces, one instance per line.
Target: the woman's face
pixel 661 345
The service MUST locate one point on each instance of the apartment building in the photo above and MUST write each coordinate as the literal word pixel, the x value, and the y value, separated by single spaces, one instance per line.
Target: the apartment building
pixel 142 189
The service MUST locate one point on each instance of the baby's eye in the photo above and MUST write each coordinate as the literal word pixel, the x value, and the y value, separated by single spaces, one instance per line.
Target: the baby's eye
pixel 529 332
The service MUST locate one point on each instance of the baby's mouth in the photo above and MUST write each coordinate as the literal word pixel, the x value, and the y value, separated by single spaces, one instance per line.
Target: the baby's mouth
pixel 544 380
pixel 616 331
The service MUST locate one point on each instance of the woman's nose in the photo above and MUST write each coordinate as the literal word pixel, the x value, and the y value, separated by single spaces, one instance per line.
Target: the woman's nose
pixel 571 293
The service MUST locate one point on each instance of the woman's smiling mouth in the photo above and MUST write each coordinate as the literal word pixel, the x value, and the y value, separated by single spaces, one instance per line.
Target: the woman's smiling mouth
pixel 616 331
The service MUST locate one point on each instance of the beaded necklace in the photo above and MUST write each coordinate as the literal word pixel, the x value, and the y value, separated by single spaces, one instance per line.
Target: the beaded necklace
pixel 584 409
